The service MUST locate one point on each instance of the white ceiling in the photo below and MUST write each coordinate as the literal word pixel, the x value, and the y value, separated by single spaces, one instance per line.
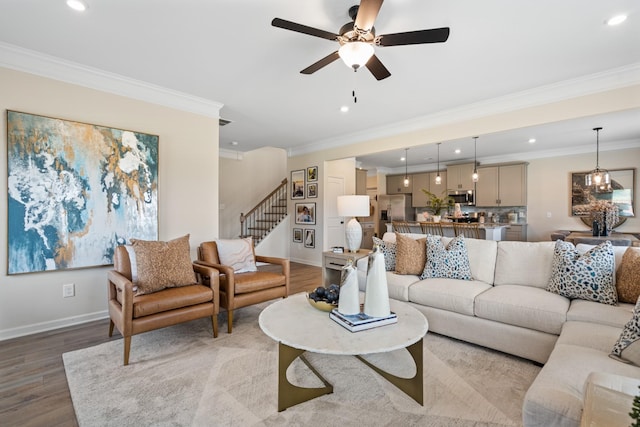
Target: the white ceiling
pixel 227 51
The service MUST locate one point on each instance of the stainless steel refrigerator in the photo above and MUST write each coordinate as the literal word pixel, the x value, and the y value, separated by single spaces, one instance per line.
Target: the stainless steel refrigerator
pixel 395 207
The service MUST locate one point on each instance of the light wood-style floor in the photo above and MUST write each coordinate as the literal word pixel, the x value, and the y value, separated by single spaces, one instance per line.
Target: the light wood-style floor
pixel 33 385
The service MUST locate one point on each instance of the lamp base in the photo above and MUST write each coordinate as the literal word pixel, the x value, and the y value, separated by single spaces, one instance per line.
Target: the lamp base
pixel 353 235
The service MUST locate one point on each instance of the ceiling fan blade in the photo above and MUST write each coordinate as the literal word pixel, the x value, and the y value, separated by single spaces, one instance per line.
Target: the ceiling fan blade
pixel 288 25
pixel 367 13
pixel 322 63
pixel 376 67
pixel 434 35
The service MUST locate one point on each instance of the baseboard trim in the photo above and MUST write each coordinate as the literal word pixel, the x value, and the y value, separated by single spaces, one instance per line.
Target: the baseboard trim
pixel 35 328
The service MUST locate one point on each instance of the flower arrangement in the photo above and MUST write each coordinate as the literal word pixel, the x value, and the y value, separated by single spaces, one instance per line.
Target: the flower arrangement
pixel 605 213
pixel 438 203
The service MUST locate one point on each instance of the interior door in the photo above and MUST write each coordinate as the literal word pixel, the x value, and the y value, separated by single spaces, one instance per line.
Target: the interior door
pixel 335 223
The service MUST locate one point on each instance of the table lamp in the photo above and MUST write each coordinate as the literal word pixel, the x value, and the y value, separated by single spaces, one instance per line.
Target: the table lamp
pixel 353 206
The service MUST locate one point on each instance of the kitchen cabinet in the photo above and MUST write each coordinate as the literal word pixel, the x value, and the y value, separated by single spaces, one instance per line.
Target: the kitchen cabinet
pixel 504 185
pixel 395 185
pixel 427 180
pixel 459 177
pixel 516 232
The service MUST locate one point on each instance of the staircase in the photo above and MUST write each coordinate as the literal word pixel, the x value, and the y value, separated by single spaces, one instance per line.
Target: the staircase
pixel 263 218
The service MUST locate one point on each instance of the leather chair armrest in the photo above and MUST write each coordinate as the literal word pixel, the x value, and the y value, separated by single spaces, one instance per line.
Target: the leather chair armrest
pixel 283 262
pixel 119 283
pixel 213 276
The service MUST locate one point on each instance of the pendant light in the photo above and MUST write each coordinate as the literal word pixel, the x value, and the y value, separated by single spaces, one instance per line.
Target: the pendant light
pixel 438 178
pixel 406 159
pixel 474 177
pixel 598 178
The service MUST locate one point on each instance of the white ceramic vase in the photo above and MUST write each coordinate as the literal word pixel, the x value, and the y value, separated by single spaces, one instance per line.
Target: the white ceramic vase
pixel 349 302
pixel 376 298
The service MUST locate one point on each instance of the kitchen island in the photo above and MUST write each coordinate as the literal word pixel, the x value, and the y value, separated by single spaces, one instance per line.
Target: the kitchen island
pixel 488 231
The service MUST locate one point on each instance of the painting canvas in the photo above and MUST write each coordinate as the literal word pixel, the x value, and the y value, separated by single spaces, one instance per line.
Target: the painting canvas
pixel 297 184
pixel 76 191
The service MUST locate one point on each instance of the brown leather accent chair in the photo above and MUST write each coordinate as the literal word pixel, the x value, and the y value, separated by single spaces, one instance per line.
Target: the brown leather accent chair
pixel 134 314
pixel 242 289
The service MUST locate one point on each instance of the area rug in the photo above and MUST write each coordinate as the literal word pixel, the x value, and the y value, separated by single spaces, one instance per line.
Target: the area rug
pixel 181 376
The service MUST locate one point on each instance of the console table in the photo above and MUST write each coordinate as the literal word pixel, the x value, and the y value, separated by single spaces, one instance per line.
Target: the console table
pixel 617 239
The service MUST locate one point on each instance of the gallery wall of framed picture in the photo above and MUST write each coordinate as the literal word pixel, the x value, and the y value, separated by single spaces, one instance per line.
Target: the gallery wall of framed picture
pixel 304 185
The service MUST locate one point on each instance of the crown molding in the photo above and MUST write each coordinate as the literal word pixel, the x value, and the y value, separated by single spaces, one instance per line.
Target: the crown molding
pixel 567 89
pixel 32 62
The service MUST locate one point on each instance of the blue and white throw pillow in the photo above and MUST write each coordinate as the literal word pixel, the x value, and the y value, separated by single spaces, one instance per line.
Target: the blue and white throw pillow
pixel 450 262
pixel 389 251
pixel 588 276
pixel 627 348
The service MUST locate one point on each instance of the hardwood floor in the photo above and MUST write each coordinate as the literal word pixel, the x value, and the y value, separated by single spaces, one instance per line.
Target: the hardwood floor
pixel 33 384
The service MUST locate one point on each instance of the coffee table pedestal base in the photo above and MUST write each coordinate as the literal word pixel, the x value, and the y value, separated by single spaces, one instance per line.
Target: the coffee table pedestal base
pixel 290 394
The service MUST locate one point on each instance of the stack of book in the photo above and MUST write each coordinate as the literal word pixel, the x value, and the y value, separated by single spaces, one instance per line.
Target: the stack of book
pixel 360 321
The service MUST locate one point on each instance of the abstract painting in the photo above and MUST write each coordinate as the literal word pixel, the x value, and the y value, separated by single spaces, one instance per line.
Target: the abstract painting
pixel 76 191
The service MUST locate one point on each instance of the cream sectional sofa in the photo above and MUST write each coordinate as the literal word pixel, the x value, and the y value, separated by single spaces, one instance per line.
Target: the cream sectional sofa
pixel 506 307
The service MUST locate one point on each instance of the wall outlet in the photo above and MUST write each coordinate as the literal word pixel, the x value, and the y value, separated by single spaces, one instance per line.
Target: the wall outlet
pixel 68 290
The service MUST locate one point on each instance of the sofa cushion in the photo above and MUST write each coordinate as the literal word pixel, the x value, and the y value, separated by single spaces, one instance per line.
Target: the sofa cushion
pixel 524 263
pixel 447 294
pixel 451 261
pixel 627 347
pixel 389 251
pixel 482 258
pixel 594 312
pixel 162 265
pixel 399 284
pixel 237 253
pixel 524 306
pixel 410 254
pixel 586 276
pixel 628 276
pixel 589 335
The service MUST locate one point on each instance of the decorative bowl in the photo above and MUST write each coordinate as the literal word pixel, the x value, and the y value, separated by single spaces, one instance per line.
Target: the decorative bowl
pixel 321 305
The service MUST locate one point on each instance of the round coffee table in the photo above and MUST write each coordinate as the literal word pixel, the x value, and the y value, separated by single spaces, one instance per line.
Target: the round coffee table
pixel 299 327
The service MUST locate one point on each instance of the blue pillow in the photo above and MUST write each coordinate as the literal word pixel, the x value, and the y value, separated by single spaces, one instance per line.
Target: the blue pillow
pixel 451 262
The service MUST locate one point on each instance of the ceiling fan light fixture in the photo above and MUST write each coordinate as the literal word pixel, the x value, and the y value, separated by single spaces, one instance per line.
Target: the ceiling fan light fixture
pixel 355 54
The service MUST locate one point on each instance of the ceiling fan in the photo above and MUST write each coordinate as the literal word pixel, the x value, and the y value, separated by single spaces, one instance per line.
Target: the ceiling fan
pixel 358 37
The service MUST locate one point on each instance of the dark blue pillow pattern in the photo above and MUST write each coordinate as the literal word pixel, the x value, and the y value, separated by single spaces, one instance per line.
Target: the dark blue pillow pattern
pixel 588 276
pixel 450 262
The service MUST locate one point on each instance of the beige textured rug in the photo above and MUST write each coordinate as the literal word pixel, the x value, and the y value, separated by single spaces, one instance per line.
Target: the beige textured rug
pixel 181 376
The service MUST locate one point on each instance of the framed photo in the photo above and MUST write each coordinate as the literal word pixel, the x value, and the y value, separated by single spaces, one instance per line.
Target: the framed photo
pixel 312 174
pixel 76 191
pixel 306 213
pixel 309 238
pixel 297 235
pixel 297 184
pixel 312 190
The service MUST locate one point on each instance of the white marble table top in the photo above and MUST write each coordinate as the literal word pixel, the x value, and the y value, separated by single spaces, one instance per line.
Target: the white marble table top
pixel 294 322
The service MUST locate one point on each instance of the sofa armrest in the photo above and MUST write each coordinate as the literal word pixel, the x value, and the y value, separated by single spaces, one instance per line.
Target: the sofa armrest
pixel 120 284
pixel 212 279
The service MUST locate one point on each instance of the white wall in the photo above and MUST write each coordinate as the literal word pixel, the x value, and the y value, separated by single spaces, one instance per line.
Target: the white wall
pixel 245 181
pixel 188 164
pixel 548 191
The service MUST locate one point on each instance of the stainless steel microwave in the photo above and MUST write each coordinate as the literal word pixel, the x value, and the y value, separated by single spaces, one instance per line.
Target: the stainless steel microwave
pixel 464 197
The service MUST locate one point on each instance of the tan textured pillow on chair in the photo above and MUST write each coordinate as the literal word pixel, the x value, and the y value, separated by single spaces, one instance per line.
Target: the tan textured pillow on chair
pixel 628 276
pixel 162 265
pixel 410 255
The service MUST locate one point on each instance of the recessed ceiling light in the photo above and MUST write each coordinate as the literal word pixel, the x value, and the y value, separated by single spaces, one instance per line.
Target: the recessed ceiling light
pixel 616 20
pixel 458 151
pixel 78 5
pixel 532 140
pixel 402 159
pixel 234 143
pixel 344 109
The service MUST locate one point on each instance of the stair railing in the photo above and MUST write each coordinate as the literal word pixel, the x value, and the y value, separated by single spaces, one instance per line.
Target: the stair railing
pixel 266 215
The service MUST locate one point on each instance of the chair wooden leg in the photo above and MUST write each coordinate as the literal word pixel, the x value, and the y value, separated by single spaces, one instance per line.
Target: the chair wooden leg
pixel 111 325
pixel 214 325
pixel 127 348
pixel 229 320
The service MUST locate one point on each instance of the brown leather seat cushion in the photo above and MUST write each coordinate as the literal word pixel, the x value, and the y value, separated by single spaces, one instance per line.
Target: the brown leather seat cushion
pixel 255 281
pixel 170 299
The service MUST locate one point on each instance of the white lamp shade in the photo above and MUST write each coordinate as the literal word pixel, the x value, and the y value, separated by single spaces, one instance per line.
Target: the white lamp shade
pixel 355 54
pixel 353 205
